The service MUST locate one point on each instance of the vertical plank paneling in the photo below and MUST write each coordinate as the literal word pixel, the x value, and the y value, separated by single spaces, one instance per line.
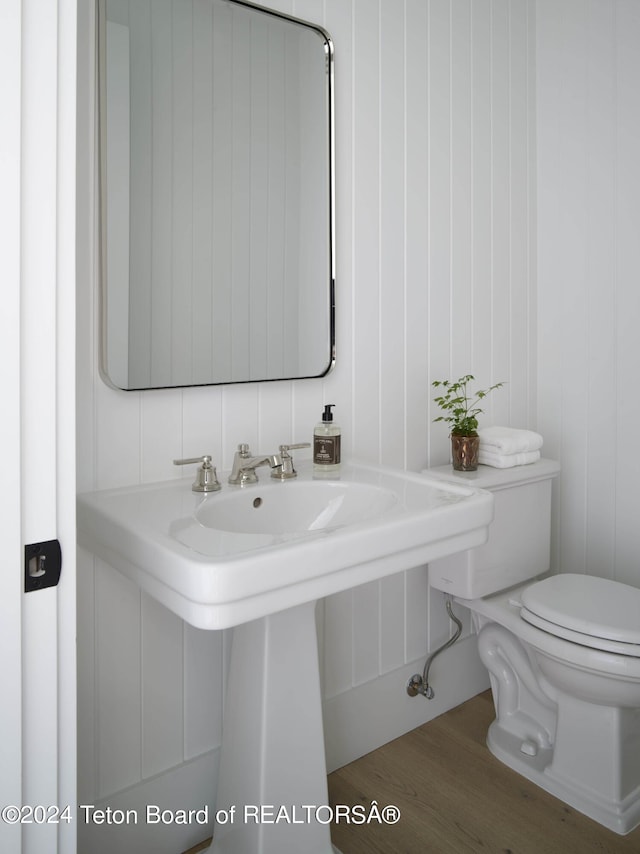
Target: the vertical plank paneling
pixel 438 622
pixel 118 170
pixel 461 211
pixel 202 247
pixel 532 224
pixel 366 633
pixel 162 689
pixel 392 233
pixel 157 448
pixel 627 293
pixel 392 622
pixel 159 300
pixel 338 653
pixel 588 184
pixel 366 224
pixel 201 426
pixel 500 187
pixel 417 340
pixel 575 274
pixel 183 169
pixel 567 265
pixel 273 404
pixel 292 184
pixel 259 165
pixel 550 46
pixel 203 676
pixel 117 438
pixel 439 197
pixel 241 201
pixel 515 406
pixel 118 674
pixel 276 310
pixel 416 622
pixel 601 296
pixel 142 133
pixel 86 656
pixel 481 194
pixel 222 220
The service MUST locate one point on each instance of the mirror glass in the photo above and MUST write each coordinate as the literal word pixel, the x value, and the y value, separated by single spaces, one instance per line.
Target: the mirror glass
pixel 216 194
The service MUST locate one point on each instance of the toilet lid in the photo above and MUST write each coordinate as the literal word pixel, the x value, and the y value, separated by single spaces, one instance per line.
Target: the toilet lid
pixel 595 611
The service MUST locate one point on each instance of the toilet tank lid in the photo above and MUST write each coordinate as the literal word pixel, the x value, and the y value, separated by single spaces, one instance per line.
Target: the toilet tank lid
pixel 585 603
pixel 488 477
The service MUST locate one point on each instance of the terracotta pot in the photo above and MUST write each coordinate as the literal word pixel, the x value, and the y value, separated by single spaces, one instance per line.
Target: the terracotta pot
pixel 464 452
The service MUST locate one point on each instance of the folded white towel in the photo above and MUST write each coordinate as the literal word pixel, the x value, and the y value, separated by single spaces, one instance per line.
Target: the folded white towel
pixel 508 440
pixel 507 461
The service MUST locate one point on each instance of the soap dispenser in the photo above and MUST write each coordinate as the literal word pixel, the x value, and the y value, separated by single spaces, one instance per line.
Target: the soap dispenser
pixel 326 443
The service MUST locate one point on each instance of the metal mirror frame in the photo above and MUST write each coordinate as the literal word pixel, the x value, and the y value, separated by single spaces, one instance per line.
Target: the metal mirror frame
pixel 101 196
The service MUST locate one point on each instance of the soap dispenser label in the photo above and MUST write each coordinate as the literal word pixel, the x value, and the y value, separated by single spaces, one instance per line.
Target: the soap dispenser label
pixel 326 450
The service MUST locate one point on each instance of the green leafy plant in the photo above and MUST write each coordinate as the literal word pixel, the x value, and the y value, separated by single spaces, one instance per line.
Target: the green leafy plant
pixel 460 405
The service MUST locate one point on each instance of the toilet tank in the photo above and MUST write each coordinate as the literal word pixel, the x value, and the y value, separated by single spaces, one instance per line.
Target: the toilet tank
pixel 518 547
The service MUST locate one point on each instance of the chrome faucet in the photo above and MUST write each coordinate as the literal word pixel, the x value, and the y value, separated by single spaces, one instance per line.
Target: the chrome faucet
pixel 206 477
pixel 287 470
pixel 245 465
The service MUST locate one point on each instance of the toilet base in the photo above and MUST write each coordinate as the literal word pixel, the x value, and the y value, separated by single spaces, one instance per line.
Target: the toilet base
pixel 566 719
pixel 619 816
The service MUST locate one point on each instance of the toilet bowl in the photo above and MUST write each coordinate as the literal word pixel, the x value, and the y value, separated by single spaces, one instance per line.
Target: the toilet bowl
pixel 563 654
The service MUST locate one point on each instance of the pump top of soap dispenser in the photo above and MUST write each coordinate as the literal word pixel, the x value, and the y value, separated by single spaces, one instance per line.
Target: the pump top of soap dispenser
pixel 327 415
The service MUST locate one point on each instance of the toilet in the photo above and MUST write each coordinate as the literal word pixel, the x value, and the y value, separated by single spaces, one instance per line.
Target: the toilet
pixel 563 652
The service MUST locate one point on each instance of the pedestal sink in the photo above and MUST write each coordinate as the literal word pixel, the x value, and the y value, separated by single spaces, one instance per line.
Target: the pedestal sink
pixel 258 558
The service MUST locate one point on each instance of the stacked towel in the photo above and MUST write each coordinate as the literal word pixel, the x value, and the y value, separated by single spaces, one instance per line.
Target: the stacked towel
pixel 504 447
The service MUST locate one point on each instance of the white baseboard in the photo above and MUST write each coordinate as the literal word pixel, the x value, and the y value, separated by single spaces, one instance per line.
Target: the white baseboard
pixel 191 786
pixel 366 717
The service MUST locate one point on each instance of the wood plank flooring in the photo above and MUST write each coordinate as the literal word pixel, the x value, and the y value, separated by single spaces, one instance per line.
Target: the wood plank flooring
pixel 456 798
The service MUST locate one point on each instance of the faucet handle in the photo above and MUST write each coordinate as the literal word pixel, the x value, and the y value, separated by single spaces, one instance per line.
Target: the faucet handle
pixel 206 477
pixel 286 470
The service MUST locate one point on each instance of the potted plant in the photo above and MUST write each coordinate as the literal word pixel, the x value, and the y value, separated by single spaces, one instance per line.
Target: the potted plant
pixel 461 412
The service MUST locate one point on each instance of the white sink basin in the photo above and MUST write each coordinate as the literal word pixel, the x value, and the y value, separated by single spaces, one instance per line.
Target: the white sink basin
pixel 295 508
pixel 228 557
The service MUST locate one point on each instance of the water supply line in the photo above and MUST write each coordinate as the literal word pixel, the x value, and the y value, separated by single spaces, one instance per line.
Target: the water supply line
pixel 420 684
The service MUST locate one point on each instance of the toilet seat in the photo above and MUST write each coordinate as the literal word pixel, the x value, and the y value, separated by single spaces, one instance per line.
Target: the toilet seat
pixel 591 611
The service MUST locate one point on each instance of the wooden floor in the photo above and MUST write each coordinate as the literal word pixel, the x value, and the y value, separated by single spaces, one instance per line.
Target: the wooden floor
pixel 456 798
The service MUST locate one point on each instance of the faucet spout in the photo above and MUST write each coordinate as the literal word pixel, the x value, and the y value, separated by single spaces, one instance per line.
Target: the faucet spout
pixel 272 460
pixel 244 465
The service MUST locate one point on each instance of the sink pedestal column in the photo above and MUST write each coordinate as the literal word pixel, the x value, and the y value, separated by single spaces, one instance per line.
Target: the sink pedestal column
pixel 273 778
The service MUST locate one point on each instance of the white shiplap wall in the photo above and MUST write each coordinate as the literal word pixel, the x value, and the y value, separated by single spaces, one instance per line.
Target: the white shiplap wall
pixel 589 272
pixel 435 180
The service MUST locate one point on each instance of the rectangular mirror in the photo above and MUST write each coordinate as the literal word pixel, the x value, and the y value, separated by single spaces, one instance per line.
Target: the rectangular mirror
pixel 216 194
